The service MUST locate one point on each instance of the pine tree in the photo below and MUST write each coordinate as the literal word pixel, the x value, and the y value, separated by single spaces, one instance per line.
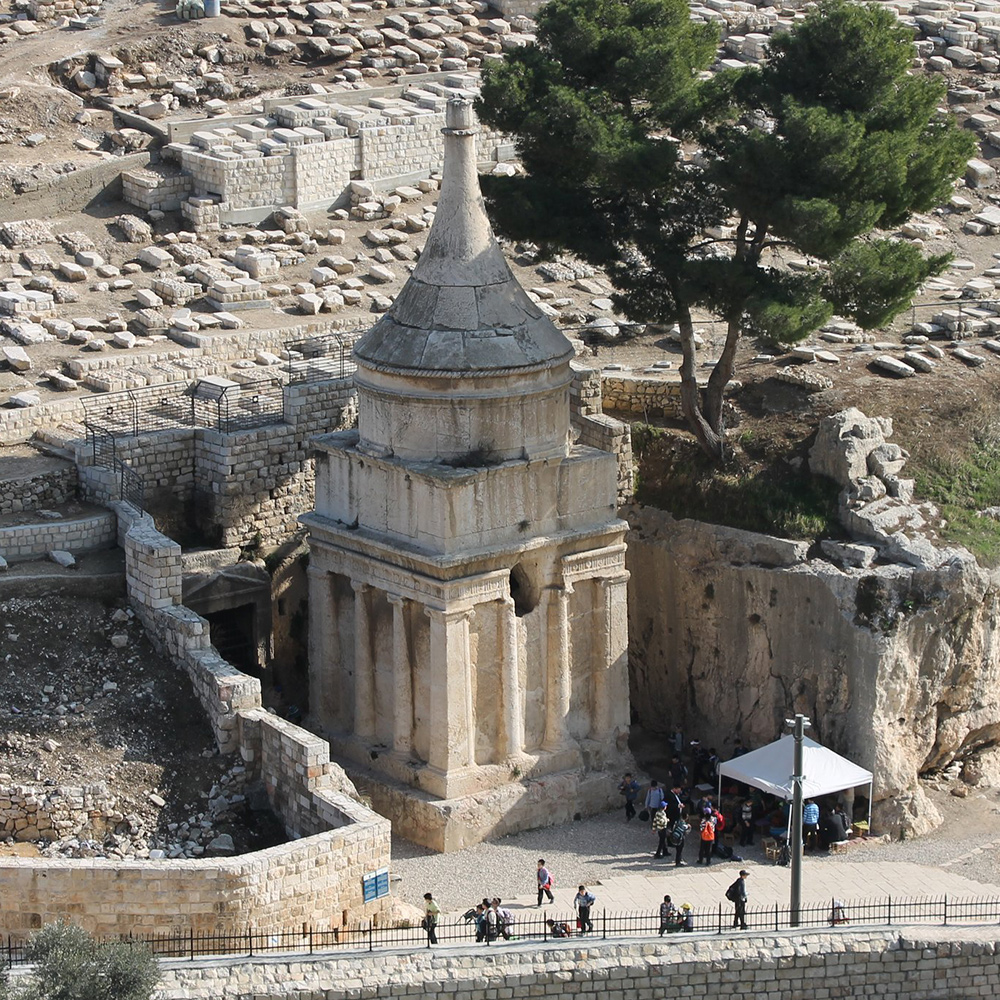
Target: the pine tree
pixel 831 140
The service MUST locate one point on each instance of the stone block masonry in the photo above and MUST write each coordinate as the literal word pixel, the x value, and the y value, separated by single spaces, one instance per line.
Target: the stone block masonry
pixel 642 395
pixel 895 964
pixel 28 814
pixel 82 534
pixel 314 881
pixel 37 490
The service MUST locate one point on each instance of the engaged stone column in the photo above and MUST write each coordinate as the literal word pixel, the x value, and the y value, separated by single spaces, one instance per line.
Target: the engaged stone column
pixel 612 648
pixel 324 649
pixel 402 706
pixel 557 666
pixel 512 728
pixel 364 679
pixel 451 725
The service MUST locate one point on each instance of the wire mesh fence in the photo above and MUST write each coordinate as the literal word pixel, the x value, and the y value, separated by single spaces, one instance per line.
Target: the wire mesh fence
pixel 321 359
pixel 556 925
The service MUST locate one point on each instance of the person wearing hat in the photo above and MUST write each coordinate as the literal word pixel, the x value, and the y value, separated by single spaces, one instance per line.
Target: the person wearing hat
pixel 737 894
pixel 687 917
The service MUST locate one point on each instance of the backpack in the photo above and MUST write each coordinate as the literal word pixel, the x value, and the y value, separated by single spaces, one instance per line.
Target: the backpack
pixel 707 829
pixel 733 892
pixel 678 833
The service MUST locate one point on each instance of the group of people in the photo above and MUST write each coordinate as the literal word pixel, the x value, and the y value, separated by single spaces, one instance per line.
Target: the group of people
pixel 673 818
pixel 493 920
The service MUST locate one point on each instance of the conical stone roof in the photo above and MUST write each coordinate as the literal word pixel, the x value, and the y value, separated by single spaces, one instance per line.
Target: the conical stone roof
pixel 462 312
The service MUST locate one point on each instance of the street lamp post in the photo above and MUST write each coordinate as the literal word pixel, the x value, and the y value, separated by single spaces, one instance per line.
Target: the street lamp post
pixel 799 724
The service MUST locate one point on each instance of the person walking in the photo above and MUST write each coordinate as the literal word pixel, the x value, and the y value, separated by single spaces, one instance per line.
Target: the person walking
pixel 629 787
pixel 678 834
pixel 737 895
pixel 505 918
pixel 432 913
pixel 582 902
pixel 544 882
pixel 660 827
pixel 668 915
pixel 707 838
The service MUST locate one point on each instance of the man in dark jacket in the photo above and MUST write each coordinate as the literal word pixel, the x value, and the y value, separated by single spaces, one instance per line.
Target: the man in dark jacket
pixel 737 892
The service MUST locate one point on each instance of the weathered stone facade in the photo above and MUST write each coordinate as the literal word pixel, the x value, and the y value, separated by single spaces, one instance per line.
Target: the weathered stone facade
pixel 467 583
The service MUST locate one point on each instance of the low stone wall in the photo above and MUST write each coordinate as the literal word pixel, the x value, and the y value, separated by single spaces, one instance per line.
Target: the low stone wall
pixel 895 964
pixel 314 882
pixel 598 430
pixel 84 534
pixel 28 813
pixel 43 489
pixel 645 395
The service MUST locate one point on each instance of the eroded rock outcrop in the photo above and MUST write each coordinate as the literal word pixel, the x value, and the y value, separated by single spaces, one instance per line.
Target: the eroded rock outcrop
pixel 890 645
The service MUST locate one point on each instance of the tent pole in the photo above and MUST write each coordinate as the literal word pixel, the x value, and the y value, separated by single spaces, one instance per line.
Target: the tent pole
pixel 795 903
pixel 871 792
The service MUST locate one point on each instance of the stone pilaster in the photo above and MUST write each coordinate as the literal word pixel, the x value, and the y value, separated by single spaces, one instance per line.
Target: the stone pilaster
pixel 325 662
pixel 611 638
pixel 402 706
pixel 451 724
pixel 512 720
pixel 364 675
pixel 558 659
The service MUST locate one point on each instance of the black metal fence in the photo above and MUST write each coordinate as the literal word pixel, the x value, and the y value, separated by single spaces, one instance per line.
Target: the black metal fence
pixel 227 408
pixel 535 926
pixel 321 359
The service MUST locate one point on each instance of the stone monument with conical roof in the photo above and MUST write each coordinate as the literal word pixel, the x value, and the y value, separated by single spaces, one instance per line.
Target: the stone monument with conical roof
pixel 467 603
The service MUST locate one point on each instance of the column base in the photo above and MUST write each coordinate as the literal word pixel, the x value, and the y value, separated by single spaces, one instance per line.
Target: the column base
pixel 450 824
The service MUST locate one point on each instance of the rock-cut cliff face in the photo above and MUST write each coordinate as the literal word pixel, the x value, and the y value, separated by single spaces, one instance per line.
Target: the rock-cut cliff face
pixel 894 654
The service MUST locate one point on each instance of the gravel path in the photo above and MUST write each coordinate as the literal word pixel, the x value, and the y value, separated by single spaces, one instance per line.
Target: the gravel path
pixel 605 846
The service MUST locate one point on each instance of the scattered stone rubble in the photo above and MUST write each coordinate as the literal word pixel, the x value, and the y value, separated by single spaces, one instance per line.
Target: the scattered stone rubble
pixel 876 504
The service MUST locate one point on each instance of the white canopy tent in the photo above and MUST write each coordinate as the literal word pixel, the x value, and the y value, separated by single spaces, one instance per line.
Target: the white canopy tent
pixel 770 768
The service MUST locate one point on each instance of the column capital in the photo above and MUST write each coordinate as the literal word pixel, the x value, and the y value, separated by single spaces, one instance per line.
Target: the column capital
pixel 611 581
pixel 359 587
pixel 447 616
pixel 396 600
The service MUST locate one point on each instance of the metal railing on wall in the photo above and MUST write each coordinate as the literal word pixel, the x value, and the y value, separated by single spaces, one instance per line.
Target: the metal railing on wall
pixel 870 913
pixel 321 359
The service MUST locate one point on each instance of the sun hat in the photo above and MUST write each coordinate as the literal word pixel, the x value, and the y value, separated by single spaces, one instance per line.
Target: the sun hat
pixel 685 906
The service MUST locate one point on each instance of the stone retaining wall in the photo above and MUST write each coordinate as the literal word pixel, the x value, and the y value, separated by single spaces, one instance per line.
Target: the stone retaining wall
pixel 38 490
pixel 315 881
pixel 644 395
pixel 600 431
pixel 912 963
pixel 84 534
pixel 28 813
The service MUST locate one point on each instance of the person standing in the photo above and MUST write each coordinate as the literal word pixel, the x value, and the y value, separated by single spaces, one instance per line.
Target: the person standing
pixel 654 797
pixel 660 827
pixel 678 834
pixel 746 823
pixel 668 915
pixel 629 787
pixel 673 804
pixel 544 882
pixel 707 838
pixel 810 825
pixel 582 902
pixel 432 913
pixel 737 895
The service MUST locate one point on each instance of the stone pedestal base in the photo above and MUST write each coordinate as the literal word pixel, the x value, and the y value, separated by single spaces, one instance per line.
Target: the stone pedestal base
pixel 451 824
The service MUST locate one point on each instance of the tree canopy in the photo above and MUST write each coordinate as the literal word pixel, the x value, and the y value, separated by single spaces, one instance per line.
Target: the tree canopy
pixel 688 187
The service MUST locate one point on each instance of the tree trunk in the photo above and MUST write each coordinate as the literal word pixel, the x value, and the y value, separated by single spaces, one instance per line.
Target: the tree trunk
pixel 711 441
pixel 721 375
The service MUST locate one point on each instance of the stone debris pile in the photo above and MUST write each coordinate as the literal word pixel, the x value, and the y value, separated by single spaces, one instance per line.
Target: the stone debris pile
pixel 876 505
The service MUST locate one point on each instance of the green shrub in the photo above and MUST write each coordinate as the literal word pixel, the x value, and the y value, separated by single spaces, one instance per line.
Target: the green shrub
pixel 70 965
